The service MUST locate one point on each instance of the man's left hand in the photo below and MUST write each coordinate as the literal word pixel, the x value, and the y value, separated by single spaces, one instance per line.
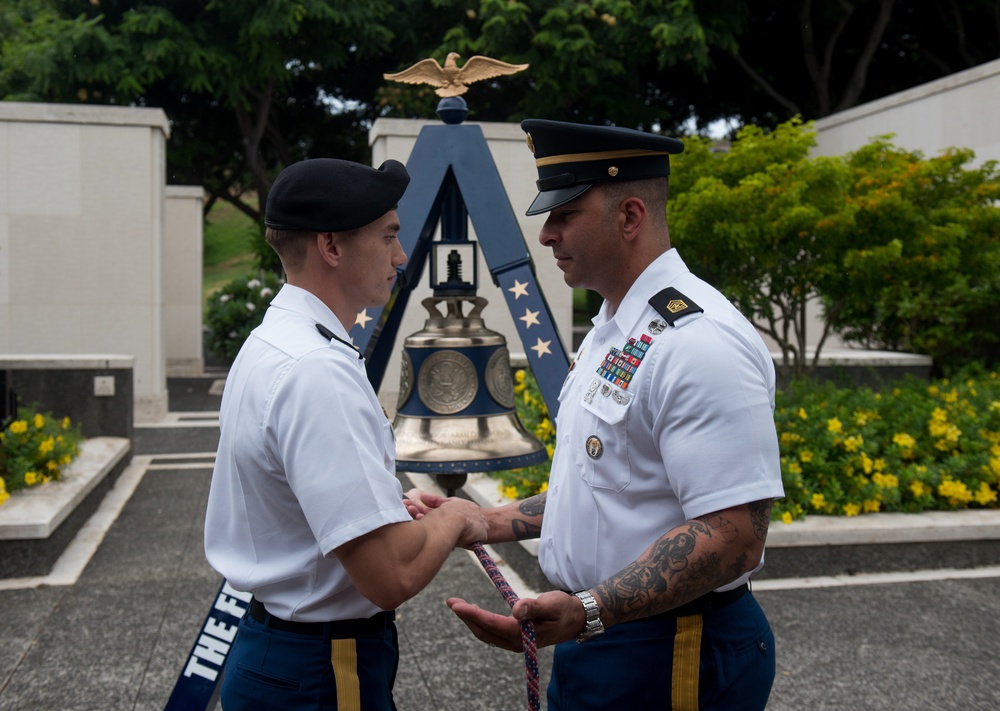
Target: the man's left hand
pixel 557 617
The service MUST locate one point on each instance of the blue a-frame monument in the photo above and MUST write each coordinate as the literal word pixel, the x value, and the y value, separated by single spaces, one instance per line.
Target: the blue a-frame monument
pixel 453 179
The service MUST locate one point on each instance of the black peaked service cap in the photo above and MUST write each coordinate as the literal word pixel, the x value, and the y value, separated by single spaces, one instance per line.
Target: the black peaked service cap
pixel 571 157
pixel 333 195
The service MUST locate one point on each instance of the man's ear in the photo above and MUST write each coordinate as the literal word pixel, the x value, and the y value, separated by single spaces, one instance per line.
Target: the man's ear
pixel 631 217
pixel 330 247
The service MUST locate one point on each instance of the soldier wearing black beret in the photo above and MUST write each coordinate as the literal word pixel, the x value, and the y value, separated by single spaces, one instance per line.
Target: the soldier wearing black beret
pixel 661 484
pixel 305 510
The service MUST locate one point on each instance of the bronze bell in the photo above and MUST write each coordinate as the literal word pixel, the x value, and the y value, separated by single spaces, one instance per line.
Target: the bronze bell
pixel 456 409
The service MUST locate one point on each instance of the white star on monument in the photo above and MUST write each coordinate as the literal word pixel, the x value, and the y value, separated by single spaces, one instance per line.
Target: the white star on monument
pixel 519 289
pixel 363 318
pixel 542 347
pixel 530 318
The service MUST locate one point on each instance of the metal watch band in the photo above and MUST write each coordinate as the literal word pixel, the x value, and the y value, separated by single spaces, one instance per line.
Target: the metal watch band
pixel 594 625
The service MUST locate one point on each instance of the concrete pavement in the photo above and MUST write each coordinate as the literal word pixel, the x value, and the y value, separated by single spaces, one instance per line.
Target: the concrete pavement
pixel 893 626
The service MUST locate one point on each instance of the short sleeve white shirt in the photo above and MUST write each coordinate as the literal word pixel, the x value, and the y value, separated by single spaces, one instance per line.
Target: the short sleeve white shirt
pixel 658 423
pixel 306 462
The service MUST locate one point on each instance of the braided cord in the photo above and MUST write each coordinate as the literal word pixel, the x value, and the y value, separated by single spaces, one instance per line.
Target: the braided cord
pixel 527 629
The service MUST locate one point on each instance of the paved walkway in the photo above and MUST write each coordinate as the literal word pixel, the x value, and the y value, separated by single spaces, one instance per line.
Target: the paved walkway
pixel 889 627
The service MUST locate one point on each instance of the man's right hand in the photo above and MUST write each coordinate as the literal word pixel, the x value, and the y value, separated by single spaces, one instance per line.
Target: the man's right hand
pixel 475 529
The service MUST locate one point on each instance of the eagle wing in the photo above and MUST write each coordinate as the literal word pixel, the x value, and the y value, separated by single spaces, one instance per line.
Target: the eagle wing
pixel 426 71
pixel 479 68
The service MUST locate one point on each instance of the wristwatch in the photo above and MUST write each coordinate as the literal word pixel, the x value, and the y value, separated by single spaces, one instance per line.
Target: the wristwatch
pixel 594 625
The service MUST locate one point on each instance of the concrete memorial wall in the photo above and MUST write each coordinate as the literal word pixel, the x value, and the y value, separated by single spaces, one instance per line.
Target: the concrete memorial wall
pixel 88 232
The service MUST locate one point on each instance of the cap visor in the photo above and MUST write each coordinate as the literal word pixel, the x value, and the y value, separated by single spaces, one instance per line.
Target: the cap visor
pixel 551 199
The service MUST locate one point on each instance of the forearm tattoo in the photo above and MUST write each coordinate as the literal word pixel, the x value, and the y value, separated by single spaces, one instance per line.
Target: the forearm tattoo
pixel 672 571
pixel 760 516
pixel 533 508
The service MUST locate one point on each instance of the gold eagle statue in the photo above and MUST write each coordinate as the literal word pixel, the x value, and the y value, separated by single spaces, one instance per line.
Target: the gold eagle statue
pixel 452 80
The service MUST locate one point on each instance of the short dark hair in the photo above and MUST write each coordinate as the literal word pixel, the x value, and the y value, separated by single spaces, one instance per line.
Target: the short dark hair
pixel 652 191
pixel 289 245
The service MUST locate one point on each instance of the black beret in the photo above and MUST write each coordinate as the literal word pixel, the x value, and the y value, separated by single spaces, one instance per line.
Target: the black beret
pixel 332 195
pixel 571 157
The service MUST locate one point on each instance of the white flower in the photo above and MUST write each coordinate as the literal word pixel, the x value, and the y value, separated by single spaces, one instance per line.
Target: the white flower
pixel 233 334
pixel 224 298
pixel 250 307
pixel 265 292
pixel 253 283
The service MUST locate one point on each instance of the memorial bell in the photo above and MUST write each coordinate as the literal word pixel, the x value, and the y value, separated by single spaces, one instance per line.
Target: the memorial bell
pixel 456 410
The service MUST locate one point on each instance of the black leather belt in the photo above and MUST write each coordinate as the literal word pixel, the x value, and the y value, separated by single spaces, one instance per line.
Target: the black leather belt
pixel 339 629
pixel 706 603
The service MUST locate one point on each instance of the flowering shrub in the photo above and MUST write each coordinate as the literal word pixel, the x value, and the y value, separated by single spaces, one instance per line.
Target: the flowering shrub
pixel 238 308
pixel 528 481
pixel 35 449
pixel 849 451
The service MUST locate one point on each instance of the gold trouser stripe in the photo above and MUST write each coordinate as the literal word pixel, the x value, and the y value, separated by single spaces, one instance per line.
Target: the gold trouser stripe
pixel 687 662
pixel 344 656
pixel 596 155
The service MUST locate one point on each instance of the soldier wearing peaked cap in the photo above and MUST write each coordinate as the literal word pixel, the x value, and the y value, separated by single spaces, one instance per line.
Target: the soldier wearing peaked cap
pixel 305 510
pixel 666 459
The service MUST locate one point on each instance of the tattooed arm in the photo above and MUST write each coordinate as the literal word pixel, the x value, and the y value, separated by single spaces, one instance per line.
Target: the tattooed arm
pixel 517 521
pixel 688 561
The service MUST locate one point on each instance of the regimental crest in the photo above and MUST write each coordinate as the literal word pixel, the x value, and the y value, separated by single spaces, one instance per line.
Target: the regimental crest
pixel 676 305
pixel 452 80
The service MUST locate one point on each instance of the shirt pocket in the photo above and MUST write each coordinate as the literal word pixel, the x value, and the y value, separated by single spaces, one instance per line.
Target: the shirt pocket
pixel 603 455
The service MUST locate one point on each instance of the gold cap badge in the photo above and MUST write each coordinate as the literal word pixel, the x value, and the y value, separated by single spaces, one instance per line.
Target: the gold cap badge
pixel 675 306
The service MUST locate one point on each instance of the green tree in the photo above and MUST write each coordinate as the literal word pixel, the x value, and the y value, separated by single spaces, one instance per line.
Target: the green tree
pixel 923 271
pixel 764 223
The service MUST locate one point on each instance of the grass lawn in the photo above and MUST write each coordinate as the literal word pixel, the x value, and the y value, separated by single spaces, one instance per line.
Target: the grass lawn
pixel 228 252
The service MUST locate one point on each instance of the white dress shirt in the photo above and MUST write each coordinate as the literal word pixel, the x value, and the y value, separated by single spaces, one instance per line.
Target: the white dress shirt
pixel 684 428
pixel 306 462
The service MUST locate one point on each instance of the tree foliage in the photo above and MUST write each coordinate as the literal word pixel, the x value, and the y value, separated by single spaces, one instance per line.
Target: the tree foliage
pixel 765 225
pixel 902 252
pixel 251 86
pixel 923 272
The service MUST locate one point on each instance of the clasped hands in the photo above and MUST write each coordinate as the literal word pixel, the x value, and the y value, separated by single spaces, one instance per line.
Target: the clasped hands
pixel 556 616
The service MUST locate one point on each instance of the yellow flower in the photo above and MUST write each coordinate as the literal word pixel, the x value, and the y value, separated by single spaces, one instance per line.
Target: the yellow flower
pixel 866 463
pixel 951 396
pixel 802 413
pixel 46 445
pixel 834 425
pixel 871 505
pixel 806 456
pixel 851 509
pixel 955 491
pixel 853 443
pixel 18 427
pixel 30 478
pixel 795 468
pixel 510 492
pixel 918 488
pixel 544 487
pixel 818 501
pixel 39 422
pixel 550 449
pixel 886 481
pixel 65 423
pixel 985 495
pixel 786 517
pixel 904 440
